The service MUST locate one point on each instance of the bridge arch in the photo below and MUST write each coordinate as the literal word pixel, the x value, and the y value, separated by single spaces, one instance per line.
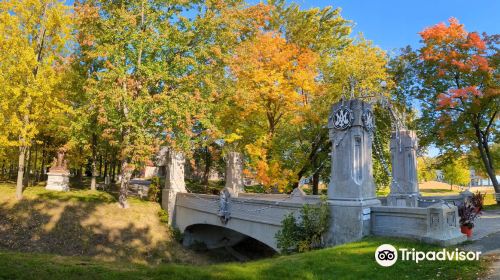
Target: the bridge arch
pixel 215 236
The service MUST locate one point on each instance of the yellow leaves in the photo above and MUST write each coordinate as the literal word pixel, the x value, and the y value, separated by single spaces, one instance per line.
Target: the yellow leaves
pixel 360 68
pixel 32 72
pixel 270 72
pixel 232 138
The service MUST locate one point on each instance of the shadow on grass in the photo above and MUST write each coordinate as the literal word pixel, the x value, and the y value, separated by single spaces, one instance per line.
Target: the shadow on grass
pixel 437 191
pixel 64 224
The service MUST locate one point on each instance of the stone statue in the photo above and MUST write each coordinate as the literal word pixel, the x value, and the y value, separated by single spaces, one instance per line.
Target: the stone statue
pixel 59 164
pixel 58 176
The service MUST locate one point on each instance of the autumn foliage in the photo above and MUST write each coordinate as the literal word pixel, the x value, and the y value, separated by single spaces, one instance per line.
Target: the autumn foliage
pixel 457 55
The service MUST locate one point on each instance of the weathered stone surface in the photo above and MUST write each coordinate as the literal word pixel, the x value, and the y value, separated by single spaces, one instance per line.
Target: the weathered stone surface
pixel 174 182
pixel 351 192
pixel 57 182
pixel 351 174
pixel 437 224
pixel 197 215
pixel 350 220
pixel 404 187
pixel 234 173
pixel 59 164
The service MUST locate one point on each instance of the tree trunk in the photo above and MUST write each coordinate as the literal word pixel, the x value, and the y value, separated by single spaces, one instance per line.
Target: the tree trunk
pixel 315 182
pixel 3 169
pixel 126 175
pixel 208 165
pixel 94 165
pixel 482 145
pixel 100 166
pixel 105 166
pixel 20 172
pixel 34 165
pixel 42 166
pixel 27 171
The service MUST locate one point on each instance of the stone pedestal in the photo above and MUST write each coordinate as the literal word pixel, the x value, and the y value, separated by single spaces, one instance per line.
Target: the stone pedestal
pixel 351 192
pixel 174 181
pixel 234 173
pixel 57 182
pixel 404 186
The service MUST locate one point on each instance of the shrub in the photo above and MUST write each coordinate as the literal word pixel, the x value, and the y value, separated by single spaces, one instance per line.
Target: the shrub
pixel 176 234
pixel 154 190
pixel 163 215
pixel 306 232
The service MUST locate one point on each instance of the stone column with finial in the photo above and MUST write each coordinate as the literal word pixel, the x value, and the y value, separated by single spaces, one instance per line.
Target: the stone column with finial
pixel 174 181
pixel 234 173
pixel 351 191
pixel 404 185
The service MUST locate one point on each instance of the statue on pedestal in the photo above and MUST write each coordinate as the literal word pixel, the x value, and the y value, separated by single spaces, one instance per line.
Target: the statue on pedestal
pixel 58 176
pixel 59 164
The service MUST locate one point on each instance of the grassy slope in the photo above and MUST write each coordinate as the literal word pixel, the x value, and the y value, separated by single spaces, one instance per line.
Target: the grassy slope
pixel 86 223
pixel 351 261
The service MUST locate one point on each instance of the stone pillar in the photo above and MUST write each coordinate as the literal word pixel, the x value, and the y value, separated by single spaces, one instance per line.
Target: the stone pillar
pixel 57 181
pixel 174 182
pixel 404 186
pixel 234 173
pixel 351 192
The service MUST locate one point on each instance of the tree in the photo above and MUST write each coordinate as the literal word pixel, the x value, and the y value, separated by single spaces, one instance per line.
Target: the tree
pixel 459 91
pixel 34 45
pixel 456 172
pixel 304 146
pixel 425 169
pixel 274 79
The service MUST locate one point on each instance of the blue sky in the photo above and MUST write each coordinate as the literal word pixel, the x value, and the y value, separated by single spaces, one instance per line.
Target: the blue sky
pixel 392 24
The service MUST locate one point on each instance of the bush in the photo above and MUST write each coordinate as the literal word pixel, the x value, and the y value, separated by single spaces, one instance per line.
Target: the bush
pixel 176 234
pixel 163 215
pixel 154 190
pixel 305 233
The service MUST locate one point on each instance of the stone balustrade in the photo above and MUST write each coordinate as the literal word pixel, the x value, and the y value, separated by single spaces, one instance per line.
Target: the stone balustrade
pixel 436 224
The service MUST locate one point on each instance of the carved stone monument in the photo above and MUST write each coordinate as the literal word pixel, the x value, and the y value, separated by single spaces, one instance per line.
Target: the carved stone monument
pixel 234 173
pixel 174 181
pixel 351 192
pixel 404 186
pixel 58 175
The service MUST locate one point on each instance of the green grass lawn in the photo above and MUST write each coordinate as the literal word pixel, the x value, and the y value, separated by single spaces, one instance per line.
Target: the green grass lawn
pixel 81 214
pixel 350 261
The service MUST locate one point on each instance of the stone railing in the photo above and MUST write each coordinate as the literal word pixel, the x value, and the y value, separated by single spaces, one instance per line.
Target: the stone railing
pixel 265 209
pixel 435 224
pixel 426 201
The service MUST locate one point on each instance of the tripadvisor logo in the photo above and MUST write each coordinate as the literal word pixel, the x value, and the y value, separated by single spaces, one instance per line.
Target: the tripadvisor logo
pixel 387 255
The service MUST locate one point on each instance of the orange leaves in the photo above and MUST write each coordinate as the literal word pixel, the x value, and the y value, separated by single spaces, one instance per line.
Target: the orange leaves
pixel 269 73
pixel 459 57
pixel 456 96
pixel 453 48
pixel 440 33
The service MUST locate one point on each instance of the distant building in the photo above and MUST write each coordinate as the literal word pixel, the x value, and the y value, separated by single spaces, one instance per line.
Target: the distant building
pixel 477 180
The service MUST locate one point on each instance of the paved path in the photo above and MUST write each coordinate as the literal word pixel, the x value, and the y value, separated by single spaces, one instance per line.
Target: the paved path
pixel 487 239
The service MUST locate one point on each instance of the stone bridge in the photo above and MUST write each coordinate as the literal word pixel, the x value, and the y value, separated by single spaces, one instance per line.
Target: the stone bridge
pixel 250 215
pixel 224 220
